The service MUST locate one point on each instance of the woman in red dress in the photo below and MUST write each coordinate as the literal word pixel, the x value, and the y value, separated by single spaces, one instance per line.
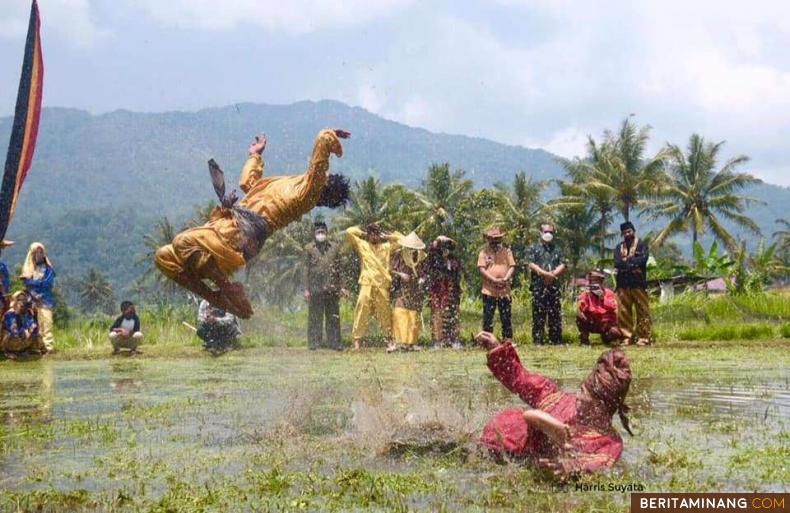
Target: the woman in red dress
pixel 566 433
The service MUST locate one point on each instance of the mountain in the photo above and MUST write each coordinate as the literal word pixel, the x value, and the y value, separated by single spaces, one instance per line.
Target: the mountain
pixel 99 182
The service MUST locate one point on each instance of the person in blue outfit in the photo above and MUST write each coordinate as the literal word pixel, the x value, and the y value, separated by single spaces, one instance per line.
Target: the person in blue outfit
pixel 5 277
pixel 39 279
pixel 20 327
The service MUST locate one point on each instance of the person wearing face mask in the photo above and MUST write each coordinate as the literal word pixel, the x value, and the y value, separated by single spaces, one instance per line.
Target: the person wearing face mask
pixel 444 282
pixel 496 265
pixel 597 311
pixel 547 264
pixel 39 279
pixel 407 268
pixel 322 289
pixel 630 263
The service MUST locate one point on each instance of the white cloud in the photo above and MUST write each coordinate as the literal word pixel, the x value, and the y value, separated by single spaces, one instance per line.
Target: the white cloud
pixel 717 68
pixel 294 17
pixel 68 19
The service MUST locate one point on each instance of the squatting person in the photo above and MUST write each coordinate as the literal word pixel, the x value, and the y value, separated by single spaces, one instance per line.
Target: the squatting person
pixel 125 332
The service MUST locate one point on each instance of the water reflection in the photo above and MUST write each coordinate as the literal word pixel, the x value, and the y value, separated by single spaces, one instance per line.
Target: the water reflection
pixel 126 376
pixel 177 407
pixel 27 397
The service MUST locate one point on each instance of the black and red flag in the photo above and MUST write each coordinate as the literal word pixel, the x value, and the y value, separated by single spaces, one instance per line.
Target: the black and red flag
pixel 26 118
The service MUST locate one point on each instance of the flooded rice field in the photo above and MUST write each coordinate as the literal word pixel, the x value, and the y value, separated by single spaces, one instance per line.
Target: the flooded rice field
pixel 285 430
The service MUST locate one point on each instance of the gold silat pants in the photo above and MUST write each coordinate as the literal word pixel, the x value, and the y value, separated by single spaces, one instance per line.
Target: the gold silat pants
pixel 406 325
pixel 372 301
pixel 627 301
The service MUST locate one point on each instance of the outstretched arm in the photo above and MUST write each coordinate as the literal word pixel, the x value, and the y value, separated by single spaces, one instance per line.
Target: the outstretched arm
pixel 505 365
pixel 253 168
pixel 326 143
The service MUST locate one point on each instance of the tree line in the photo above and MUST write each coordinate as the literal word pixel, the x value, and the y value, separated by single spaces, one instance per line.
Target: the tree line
pixel 688 191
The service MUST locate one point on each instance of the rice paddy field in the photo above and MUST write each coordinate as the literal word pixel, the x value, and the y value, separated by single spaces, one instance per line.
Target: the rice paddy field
pixel 275 427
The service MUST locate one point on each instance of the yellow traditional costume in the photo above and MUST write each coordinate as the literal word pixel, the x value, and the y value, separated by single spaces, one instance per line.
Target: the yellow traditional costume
pixel 277 201
pixel 409 290
pixel 374 281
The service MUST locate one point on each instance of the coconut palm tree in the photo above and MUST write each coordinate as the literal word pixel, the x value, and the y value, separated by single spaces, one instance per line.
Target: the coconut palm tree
pixel 370 202
pixel 522 210
pixel 579 233
pixel 782 237
pixel 95 291
pixel 633 177
pixel 588 186
pixel 438 199
pixel 696 196
pixel 162 234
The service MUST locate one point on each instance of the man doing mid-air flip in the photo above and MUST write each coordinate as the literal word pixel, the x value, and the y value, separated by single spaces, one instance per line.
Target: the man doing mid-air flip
pixel 235 233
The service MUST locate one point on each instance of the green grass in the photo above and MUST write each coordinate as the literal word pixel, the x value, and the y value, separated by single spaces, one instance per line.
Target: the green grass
pixel 688 317
pixel 285 429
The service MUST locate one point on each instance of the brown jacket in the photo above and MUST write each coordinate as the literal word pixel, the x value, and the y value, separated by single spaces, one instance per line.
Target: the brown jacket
pixel 322 267
pixel 409 294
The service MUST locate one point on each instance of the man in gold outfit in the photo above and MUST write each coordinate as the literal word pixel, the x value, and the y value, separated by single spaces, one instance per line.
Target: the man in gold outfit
pixel 235 233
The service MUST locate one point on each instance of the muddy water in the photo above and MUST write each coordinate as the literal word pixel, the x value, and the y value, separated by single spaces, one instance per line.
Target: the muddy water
pixel 101 425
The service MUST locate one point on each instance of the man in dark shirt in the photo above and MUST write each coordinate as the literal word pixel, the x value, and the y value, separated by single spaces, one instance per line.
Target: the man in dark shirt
pixel 125 331
pixel 630 262
pixel 546 265
pixel 322 288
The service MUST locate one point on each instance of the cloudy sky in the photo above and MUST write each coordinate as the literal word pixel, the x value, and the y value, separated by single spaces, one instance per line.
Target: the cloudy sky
pixel 539 73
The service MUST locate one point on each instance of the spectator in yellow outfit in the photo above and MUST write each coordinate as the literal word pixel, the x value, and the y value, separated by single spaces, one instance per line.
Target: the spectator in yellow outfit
pixel 374 248
pixel 409 284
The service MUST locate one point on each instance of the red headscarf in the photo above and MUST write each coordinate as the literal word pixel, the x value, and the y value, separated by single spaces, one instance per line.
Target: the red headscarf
pixel 608 384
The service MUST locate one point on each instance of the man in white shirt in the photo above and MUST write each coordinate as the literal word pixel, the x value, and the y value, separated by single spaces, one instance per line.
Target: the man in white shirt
pixel 125 332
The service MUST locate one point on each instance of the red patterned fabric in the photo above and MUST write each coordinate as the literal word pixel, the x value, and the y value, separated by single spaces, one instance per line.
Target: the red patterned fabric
pixel 509 433
pixel 600 310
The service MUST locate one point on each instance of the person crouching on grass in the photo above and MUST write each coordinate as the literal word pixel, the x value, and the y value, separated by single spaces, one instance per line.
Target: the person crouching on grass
pixel 20 328
pixel 566 433
pixel 125 331
pixel 597 311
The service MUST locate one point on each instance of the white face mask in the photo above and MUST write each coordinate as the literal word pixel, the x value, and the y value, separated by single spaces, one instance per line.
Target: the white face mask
pixel 547 236
pixel 320 237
